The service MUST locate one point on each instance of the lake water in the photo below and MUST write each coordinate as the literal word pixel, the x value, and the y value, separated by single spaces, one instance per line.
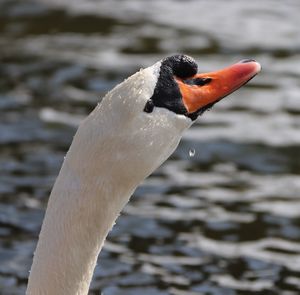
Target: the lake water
pixel 224 220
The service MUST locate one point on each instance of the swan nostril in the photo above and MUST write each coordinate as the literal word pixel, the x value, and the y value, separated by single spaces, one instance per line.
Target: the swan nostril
pixel 202 81
pixel 198 81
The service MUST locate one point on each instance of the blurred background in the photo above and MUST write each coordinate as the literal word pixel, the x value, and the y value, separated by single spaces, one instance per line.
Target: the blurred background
pixel 222 215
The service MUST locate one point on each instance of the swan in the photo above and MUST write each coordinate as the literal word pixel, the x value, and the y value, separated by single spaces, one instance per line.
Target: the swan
pixel 129 134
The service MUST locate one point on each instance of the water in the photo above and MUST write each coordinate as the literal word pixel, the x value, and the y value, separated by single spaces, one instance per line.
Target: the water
pixel 225 221
pixel 192 152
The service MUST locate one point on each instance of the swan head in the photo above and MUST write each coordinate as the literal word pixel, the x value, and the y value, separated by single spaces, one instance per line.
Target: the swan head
pixel 142 119
pixel 129 134
pixel 173 85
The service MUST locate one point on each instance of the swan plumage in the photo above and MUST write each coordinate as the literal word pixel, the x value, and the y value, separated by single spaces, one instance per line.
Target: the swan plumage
pixel 128 135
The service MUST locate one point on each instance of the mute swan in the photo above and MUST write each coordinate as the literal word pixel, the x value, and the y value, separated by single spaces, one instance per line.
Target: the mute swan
pixel 135 128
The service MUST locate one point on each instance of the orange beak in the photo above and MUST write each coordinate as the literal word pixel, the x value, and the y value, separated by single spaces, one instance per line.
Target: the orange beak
pixel 204 90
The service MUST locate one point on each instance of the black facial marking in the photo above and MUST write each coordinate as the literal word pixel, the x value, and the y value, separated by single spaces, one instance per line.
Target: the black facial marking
pixel 182 66
pixel 167 93
pixel 195 115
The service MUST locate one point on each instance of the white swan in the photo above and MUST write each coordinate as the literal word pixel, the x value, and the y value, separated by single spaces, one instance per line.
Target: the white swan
pixel 135 128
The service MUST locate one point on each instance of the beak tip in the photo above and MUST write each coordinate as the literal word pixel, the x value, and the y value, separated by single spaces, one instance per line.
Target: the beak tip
pixel 244 61
pixel 257 66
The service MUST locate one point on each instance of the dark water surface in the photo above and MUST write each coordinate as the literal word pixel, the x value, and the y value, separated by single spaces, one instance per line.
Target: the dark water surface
pixel 224 221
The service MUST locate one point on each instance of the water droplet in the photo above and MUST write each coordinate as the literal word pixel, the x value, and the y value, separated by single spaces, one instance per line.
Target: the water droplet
pixel 192 152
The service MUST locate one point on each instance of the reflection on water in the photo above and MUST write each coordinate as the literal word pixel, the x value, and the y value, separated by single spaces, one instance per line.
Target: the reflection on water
pixel 222 216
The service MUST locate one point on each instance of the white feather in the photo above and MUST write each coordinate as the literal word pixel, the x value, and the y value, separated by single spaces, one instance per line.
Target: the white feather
pixel 114 149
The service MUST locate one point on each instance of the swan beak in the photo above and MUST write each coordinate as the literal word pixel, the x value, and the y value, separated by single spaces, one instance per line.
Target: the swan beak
pixel 203 90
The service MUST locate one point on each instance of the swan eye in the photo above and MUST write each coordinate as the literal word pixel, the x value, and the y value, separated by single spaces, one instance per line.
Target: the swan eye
pixel 149 106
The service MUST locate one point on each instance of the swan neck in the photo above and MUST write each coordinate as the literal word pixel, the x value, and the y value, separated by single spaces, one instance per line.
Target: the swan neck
pixel 116 147
pixel 81 210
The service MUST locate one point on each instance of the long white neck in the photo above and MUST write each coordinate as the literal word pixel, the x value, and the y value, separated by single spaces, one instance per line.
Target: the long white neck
pixel 114 149
pixel 82 209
